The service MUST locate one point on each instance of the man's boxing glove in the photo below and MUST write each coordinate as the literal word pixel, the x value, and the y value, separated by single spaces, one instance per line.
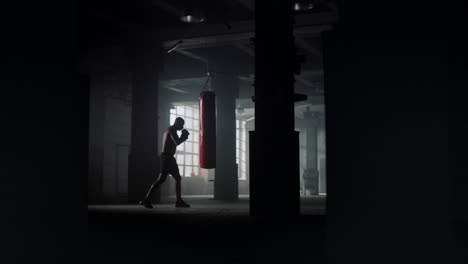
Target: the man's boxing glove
pixel 185 134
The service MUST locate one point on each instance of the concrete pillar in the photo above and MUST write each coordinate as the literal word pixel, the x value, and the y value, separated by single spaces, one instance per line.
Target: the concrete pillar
pixel 322 153
pixel 274 145
pixel 311 139
pixel 226 180
pixel 96 138
pixel 249 126
pixel 143 159
pixel 322 175
pixel 311 122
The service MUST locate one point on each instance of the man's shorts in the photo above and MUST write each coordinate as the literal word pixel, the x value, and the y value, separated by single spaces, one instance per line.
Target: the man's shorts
pixel 169 164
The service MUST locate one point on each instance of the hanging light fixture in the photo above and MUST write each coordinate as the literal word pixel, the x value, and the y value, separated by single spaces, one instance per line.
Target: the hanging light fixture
pixel 193 15
pixel 303 5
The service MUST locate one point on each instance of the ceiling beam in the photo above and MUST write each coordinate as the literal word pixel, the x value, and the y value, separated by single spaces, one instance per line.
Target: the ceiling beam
pixel 167 7
pixel 235 38
pixel 113 20
pixel 305 25
pixel 246 49
pixel 305 82
pixel 210 41
pixel 249 4
pixel 311 101
pixel 177 90
pixel 192 55
pixel 307 47
pixel 333 6
pixel 312 72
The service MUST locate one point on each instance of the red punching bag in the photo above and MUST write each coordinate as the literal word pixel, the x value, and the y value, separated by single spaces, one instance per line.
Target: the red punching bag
pixel 207 105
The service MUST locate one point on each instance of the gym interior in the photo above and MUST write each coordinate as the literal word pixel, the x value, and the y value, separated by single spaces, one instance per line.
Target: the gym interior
pixel 319 152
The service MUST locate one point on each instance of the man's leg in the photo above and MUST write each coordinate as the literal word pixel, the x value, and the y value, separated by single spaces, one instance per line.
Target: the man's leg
pixel 147 201
pixel 178 187
pixel 174 171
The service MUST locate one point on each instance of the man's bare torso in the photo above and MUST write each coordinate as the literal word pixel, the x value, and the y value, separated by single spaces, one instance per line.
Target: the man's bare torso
pixel 170 141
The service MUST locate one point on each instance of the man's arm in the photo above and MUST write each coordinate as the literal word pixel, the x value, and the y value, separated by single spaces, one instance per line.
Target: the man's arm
pixel 175 138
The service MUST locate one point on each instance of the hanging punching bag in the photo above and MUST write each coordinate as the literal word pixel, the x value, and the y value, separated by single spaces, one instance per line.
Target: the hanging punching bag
pixel 207 105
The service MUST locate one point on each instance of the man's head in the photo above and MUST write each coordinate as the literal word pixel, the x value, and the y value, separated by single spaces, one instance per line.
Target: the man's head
pixel 179 123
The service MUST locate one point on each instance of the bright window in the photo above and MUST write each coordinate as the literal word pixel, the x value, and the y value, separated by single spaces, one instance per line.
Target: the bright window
pixel 240 149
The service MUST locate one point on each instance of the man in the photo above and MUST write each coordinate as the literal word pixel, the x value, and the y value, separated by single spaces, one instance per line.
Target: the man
pixel 168 163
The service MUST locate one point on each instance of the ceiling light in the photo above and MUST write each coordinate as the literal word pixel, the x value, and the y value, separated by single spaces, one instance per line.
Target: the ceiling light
pixel 193 16
pixel 303 6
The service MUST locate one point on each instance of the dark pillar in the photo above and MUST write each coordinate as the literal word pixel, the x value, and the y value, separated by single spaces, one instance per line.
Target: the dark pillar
pixel 143 160
pixel 226 182
pixel 96 138
pixel 387 156
pixel 274 145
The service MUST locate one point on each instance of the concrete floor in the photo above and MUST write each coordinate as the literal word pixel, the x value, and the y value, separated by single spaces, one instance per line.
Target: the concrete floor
pixel 209 232
pixel 205 205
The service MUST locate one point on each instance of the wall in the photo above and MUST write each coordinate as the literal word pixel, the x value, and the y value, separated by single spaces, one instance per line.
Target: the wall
pixel 96 139
pixel 109 127
pixel 116 143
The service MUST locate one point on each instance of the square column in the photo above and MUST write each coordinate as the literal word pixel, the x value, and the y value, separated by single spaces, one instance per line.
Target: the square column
pixel 226 185
pixel 96 139
pixel 143 158
pixel 274 145
pixel 311 121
